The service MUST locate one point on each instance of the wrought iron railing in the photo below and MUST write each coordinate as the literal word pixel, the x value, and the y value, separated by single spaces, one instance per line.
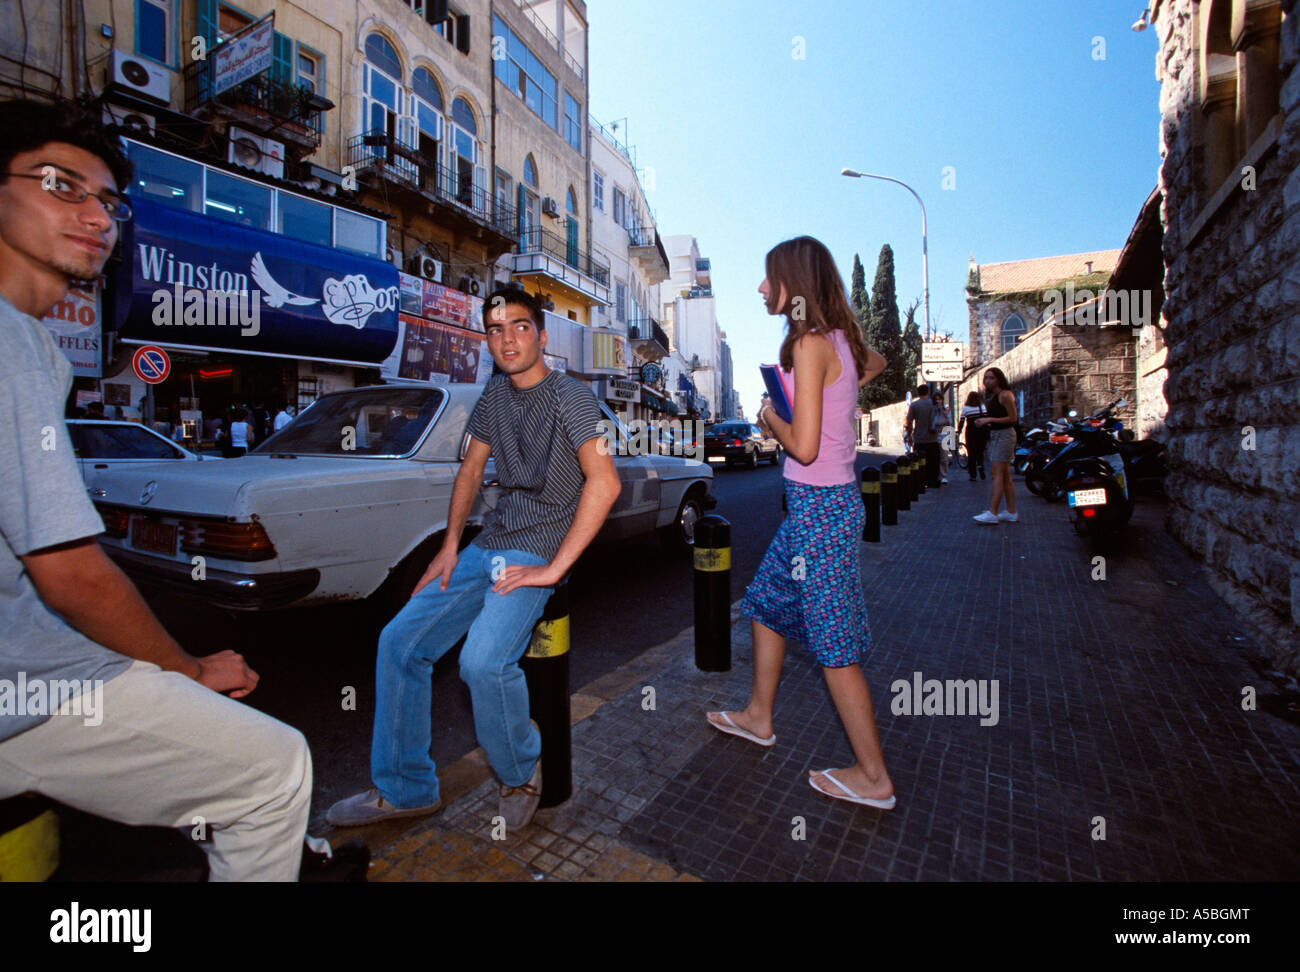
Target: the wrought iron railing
pixel 647 329
pixel 552 244
pixel 423 172
pixel 289 106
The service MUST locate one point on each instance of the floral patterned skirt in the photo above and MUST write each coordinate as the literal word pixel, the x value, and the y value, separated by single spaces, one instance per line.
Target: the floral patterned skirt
pixel 809 585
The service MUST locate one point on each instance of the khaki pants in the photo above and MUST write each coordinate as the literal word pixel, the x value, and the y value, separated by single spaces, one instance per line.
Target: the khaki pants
pixel 172 753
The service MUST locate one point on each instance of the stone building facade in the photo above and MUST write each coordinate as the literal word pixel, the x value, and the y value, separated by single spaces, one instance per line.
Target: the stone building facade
pixel 1230 177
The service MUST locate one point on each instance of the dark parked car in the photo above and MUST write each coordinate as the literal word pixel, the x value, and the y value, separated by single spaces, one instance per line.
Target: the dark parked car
pixel 739 443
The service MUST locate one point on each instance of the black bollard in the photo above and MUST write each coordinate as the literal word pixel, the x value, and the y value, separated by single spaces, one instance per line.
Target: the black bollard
pixel 889 493
pixel 904 501
pixel 713 594
pixel 546 669
pixel 922 472
pixel 871 501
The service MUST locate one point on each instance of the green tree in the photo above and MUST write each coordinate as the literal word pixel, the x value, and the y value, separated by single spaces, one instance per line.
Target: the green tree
pixel 911 357
pixel 885 335
pixel 858 295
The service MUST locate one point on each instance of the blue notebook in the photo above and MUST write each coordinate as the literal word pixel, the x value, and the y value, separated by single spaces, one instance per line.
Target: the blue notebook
pixel 777 392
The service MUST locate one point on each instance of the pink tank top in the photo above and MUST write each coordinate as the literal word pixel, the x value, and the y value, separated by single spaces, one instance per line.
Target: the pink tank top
pixel 834 463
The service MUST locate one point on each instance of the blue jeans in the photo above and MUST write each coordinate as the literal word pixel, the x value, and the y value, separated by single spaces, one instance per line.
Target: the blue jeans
pixel 422 632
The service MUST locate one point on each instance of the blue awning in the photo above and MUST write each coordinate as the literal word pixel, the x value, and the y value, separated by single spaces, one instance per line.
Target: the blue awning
pixel 197 281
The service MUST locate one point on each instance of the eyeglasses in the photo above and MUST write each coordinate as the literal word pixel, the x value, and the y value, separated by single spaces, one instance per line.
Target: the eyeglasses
pixel 117 208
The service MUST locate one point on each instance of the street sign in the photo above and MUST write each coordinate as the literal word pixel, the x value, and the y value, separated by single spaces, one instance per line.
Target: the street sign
pixel 151 364
pixel 943 351
pixel 942 371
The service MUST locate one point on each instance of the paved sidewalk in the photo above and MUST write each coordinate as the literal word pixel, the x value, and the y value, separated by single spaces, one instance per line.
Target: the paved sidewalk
pixel 1119 707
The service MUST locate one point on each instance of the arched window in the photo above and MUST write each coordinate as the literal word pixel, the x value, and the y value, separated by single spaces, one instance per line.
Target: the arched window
pixel 427 101
pixel 571 203
pixel 571 229
pixel 1012 329
pixel 530 172
pixel 465 154
pixel 529 238
pixel 383 102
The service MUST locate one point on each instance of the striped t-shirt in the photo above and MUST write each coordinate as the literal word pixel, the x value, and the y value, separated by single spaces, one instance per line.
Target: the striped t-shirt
pixel 535 433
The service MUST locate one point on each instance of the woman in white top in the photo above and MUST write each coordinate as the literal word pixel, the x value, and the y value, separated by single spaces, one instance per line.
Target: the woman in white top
pixel 241 436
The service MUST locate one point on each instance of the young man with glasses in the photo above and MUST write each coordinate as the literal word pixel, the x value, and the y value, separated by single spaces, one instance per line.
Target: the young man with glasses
pixel 558 482
pixel 166 747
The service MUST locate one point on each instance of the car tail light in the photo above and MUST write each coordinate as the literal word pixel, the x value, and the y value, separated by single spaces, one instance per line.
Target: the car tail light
pixel 1088 512
pixel 116 519
pixel 735 442
pixel 221 538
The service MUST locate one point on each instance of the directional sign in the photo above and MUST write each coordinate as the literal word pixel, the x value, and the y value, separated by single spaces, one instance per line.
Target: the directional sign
pixel 151 364
pixel 939 351
pixel 942 370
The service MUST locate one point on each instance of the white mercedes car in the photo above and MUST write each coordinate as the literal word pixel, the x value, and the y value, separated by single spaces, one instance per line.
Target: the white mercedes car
pixel 348 501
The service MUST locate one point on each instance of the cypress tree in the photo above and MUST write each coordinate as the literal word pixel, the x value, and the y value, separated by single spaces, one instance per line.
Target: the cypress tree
pixel 911 345
pixel 887 334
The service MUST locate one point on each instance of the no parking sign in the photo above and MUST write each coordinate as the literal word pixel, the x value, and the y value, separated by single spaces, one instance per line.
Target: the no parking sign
pixel 151 364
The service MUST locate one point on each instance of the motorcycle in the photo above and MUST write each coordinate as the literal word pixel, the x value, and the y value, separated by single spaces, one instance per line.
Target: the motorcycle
pixel 1144 461
pixel 1040 445
pixel 1094 480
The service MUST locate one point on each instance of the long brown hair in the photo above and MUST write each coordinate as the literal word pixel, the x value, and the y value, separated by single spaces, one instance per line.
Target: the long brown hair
pixel 807 270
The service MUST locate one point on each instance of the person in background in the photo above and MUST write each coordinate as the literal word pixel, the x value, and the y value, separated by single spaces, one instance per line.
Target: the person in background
pixel 976 438
pixel 283 417
pixel 942 425
pixel 95 410
pixel 809 584
pixel 918 433
pixel 241 436
pixel 1000 404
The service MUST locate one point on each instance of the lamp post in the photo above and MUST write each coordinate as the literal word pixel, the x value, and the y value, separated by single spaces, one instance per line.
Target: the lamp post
pixel 925 245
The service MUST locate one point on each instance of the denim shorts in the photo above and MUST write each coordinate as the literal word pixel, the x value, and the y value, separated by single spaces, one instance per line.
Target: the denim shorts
pixel 1002 445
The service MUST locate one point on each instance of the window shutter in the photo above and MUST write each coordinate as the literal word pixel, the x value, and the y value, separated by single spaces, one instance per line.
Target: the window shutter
pixel 522 201
pixel 462 33
pixel 435 11
pixel 207 10
pixel 282 60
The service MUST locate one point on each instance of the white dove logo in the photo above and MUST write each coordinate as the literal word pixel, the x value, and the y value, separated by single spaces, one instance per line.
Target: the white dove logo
pixel 272 292
pixel 349 301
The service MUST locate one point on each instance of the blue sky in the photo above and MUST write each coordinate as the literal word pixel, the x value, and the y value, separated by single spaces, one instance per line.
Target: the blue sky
pixel 1053 150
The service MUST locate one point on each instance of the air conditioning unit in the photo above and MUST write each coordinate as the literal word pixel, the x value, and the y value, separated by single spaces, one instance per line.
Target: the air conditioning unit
pixel 394 257
pixel 264 155
pixel 426 267
pixel 140 77
pixel 129 121
pixel 550 208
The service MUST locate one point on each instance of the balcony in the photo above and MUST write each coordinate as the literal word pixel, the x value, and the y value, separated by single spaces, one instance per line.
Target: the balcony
pixel 648 338
pixel 548 254
pixel 646 251
pixel 462 205
pixel 285 112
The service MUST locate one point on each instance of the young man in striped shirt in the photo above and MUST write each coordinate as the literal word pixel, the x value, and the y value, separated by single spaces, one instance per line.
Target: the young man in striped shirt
pixel 558 483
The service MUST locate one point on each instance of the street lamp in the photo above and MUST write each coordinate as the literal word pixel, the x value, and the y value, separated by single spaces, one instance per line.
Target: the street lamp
pixel 925 246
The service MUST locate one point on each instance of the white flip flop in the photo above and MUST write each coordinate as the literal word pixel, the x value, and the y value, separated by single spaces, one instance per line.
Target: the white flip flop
pixel 732 729
pixel 849 795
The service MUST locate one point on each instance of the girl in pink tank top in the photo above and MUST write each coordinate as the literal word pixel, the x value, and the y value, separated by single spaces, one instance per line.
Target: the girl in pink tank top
pixel 809 585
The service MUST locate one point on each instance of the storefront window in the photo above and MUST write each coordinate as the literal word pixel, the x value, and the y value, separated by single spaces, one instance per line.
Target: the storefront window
pixel 304 220
pixel 238 200
pixel 361 234
pixel 165 178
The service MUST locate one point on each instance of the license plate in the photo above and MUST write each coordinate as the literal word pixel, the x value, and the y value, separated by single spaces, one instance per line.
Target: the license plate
pixel 1088 497
pixel 153 537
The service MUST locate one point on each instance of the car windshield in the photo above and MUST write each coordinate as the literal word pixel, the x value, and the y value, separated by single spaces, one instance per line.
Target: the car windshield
pixel 382 422
pixel 121 442
pixel 740 430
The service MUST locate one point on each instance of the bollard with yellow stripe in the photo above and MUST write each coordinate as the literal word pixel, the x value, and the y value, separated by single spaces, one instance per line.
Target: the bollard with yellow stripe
pixel 889 491
pixel 546 669
pixel 905 483
pixel 713 594
pixel 29 839
pixel 871 503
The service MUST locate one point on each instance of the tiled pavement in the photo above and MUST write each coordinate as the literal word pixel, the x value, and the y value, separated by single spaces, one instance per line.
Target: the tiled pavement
pixel 1119 707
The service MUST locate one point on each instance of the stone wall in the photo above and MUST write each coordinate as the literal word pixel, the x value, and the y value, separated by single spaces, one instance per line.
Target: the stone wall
pixel 887 424
pixel 1232 279
pixel 986 317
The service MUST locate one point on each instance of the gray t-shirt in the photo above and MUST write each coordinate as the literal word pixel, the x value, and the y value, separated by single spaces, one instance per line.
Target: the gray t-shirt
pixel 535 434
pixel 921 412
pixel 43 503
